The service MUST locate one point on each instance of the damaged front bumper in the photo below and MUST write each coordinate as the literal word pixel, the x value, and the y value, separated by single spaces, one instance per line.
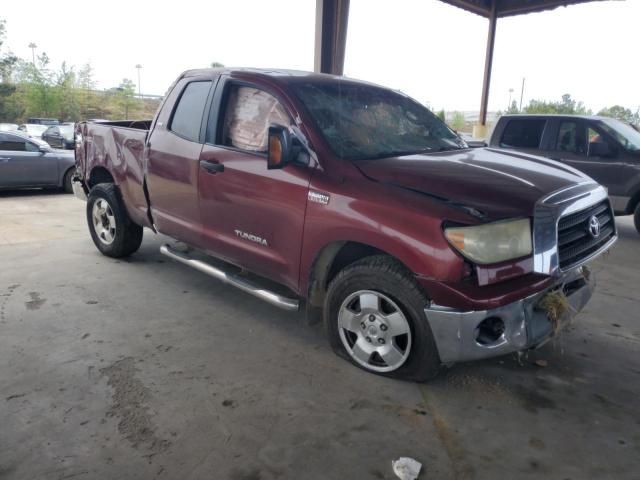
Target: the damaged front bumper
pixel 521 325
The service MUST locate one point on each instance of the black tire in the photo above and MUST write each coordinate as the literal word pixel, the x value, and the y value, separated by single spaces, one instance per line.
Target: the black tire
pixel 381 274
pixel 636 217
pixel 66 183
pixel 127 235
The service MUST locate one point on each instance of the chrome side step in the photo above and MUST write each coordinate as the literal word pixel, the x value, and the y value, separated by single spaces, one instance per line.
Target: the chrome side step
pixel 238 282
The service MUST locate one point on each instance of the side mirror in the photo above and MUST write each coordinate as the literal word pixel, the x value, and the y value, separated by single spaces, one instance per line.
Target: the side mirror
pixel 280 148
pixel 601 149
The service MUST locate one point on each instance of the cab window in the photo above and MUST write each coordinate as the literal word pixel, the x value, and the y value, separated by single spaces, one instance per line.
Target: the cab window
pixel 248 113
pixel 11 143
pixel 523 133
pixel 572 138
pixel 187 117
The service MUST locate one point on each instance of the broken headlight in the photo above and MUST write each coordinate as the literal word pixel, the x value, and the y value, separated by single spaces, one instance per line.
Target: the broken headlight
pixel 492 242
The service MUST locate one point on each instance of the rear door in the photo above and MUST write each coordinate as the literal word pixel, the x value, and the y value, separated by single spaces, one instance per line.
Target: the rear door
pixel 173 156
pixel 22 164
pixel 573 140
pixel 252 216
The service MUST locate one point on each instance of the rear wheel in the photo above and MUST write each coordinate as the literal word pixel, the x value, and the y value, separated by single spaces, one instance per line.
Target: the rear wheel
pixel 374 316
pixel 112 231
pixel 636 217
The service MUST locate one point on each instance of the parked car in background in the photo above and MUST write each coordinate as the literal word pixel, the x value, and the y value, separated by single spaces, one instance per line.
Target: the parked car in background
pixel 30 162
pixel 60 136
pixel 33 130
pixel 471 140
pixel 606 149
pixel 8 127
pixel 43 121
pixel 416 250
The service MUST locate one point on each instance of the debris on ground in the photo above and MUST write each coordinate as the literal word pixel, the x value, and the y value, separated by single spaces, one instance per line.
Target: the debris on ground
pixel 406 468
pixel 541 363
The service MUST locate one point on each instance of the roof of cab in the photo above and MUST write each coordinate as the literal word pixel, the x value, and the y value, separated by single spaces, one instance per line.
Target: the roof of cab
pixel 276 74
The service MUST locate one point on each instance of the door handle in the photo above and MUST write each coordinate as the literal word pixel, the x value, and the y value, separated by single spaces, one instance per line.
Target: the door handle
pixel 212 167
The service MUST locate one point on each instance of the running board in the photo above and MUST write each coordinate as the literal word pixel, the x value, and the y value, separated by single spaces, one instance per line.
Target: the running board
pixel 235 280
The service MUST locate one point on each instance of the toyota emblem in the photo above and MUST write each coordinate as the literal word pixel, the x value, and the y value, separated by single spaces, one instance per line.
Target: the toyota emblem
pixel 594 226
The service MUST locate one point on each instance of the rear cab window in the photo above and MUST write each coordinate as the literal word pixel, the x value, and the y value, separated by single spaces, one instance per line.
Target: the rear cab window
pixel 523 133
pixel 187 116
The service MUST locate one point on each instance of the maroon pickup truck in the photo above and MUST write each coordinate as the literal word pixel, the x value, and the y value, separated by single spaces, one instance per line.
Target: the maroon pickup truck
pixel 415 250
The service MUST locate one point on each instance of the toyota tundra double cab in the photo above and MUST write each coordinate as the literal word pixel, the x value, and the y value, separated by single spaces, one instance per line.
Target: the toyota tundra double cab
pixel 356 202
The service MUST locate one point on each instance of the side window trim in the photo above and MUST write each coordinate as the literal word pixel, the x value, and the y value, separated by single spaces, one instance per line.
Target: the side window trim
pixel 177 103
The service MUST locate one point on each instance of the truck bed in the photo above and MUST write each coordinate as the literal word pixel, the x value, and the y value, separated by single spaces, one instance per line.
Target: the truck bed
pixel 117 147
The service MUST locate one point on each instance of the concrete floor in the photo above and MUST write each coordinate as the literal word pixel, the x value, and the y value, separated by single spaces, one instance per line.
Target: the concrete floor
pixel 144 368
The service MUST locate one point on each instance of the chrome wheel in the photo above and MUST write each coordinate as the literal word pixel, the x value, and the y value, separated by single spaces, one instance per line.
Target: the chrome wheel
pixel 374 331
pixel 104 222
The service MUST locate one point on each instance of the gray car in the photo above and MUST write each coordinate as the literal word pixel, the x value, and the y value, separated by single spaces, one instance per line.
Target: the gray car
pixel 29 162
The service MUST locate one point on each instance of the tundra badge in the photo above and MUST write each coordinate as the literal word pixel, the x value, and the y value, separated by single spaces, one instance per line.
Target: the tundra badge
pixel 251 237
pixel 318 197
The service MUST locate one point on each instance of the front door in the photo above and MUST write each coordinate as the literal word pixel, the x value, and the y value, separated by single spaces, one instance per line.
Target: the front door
pixel 252 217
pixel 173 162
pixel 573 146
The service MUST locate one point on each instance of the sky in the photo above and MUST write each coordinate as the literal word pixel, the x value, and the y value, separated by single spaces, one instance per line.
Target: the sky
pixel 429 50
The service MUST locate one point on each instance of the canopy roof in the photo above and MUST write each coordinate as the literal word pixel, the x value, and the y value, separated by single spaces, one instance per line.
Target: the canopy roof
pixel 506 8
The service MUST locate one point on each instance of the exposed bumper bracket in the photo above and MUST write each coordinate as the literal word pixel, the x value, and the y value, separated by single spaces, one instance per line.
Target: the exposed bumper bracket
pixel 525 325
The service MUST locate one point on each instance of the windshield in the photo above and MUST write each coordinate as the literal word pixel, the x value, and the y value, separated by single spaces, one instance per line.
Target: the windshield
pixel 365 122
pixel 623 133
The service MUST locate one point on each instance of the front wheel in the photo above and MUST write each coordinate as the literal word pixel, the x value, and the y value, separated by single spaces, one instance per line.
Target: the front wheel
pixel 636 217
pixel 374 316
pixel 112 231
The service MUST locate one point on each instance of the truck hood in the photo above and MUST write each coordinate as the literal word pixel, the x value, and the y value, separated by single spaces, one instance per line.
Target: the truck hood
pixel 488 183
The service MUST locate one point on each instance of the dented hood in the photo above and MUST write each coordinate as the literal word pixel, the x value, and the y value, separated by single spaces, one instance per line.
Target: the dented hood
pixel 496 183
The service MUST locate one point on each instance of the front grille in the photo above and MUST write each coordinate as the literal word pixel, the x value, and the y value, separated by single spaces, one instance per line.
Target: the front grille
pixel 575 242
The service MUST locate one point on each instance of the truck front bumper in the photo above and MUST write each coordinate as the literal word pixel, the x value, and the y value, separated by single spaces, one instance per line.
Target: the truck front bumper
pixel 521 325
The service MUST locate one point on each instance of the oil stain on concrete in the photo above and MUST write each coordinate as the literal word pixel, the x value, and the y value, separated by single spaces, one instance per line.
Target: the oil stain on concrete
pixel 130 406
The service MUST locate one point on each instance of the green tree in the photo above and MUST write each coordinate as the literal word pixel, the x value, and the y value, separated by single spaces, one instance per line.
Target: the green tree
pixel 567 106
pixel 216 65
pixel 458 121
pixel 442 115
pixel 125 98
pixel 621 113
pixel 513 108
pixel 7 59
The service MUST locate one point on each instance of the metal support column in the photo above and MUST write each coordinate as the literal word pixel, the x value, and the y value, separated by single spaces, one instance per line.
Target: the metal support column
pixel 480 130
pixel 331 35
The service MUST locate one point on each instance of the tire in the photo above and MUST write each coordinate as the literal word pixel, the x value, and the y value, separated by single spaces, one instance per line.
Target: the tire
pixel 636 217
pixel 112 231
pixel 66 183
pixel 383 307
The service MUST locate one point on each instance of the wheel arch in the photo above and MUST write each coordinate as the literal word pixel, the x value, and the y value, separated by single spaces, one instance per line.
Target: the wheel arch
pixel 633 202
pixel 334 257
pixel 98 175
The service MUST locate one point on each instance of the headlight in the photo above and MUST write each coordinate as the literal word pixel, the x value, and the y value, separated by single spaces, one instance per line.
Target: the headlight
pixel 492 242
